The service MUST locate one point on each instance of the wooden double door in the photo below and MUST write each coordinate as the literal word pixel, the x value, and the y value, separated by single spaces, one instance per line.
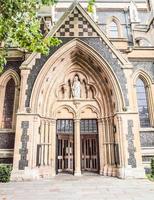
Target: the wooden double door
pixel 89 153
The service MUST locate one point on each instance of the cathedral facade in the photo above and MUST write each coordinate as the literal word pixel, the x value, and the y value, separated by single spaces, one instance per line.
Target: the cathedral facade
pixel 88 106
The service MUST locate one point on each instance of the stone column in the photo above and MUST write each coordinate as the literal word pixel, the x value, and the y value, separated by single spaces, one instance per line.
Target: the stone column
pixel 42 140
pixel 120 135
pixel 23 87
pixel 77 153
pixel 2 96
pixel 53 146
pixel 35 141
pixel 101 145
pixel 104 146
pixel 112 147
pixel 105 120
pixel 46 142
pixel 109 146
pixel 50 141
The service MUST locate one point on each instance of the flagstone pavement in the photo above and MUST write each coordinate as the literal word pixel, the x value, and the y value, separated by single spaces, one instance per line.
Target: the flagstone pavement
pixel 67 187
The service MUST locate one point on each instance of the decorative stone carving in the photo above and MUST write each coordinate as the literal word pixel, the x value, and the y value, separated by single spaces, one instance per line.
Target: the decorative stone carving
pixel 98 46
pixel 76 86
pixel 133 12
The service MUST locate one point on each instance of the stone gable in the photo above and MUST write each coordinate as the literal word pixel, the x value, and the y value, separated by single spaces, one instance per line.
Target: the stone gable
pixel 76 25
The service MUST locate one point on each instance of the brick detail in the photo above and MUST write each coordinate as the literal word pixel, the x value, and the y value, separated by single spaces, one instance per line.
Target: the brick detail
pixel 131 148
pixel 23 162
pixel 76 25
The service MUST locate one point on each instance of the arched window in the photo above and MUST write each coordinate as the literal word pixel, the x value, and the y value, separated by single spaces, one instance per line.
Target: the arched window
pixel 8 104
pixel 113 30
pixel 142 103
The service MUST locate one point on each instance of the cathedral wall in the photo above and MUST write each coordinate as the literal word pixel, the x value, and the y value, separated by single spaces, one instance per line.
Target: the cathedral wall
pixel 129 134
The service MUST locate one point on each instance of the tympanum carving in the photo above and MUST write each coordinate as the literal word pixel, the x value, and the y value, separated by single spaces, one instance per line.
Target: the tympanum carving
pixel 76 87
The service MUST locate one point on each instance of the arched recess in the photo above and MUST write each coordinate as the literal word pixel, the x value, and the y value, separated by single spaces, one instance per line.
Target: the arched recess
pixel 64 111
pixel 148 84
pixel 102 98
pixel 142 42
pixel 93 112
pixel 9 76
pixel 76 55
pixel 113 24
pixel 97 77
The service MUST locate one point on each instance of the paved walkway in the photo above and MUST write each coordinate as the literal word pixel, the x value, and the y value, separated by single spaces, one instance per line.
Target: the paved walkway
pixel 78 188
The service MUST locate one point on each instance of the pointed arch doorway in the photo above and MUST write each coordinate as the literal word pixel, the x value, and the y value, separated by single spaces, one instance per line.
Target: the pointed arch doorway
pixel 99 98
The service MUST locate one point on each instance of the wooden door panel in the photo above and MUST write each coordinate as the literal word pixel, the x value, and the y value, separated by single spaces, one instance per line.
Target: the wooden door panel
pixel 89 152
pixel 65 153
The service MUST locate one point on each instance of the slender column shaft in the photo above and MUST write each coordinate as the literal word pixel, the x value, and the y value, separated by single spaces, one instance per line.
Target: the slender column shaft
pixel 101 146
pixel 50 140
pixel 53 147
pixel 120 141
pixel 108 141
pixel 42 140
pixel 77 148
pixel 46 142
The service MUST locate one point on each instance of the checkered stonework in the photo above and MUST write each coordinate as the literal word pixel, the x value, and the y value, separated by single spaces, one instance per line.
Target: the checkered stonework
pixel 76 26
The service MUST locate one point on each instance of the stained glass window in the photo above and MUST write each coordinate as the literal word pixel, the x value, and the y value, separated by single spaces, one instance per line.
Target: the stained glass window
pixel 88 126
pixel 113 30
pixel 142 104
pixel 8 104
pixel 64 126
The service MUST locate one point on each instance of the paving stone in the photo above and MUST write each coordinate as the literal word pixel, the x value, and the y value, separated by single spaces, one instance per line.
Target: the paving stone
pixel 79 188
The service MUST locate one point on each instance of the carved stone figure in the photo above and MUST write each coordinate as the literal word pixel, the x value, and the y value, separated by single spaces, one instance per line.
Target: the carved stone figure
pixel 133 12
pixel 76 87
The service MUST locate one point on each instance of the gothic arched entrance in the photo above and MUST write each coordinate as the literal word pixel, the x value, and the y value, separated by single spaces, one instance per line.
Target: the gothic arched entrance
pixel 76 112
pixel 74 105
pixel 78 98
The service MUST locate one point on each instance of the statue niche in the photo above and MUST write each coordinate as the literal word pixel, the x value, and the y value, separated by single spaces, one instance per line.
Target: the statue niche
pixel 76 88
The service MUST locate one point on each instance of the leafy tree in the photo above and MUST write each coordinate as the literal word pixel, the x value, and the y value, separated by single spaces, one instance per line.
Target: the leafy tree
pixel 152 167
pixel 20 26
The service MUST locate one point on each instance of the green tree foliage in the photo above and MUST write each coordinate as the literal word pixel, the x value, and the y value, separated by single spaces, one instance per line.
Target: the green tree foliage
pixel 91 4
pixel 5 172
pixel 20 26
pixel 152 167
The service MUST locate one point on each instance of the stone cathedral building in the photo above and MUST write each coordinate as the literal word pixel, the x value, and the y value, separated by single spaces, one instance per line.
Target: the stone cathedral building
pixel 89 105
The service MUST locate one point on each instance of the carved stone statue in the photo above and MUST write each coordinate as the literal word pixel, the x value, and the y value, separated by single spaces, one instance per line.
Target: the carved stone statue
pixel 133 12
pixel 76 87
